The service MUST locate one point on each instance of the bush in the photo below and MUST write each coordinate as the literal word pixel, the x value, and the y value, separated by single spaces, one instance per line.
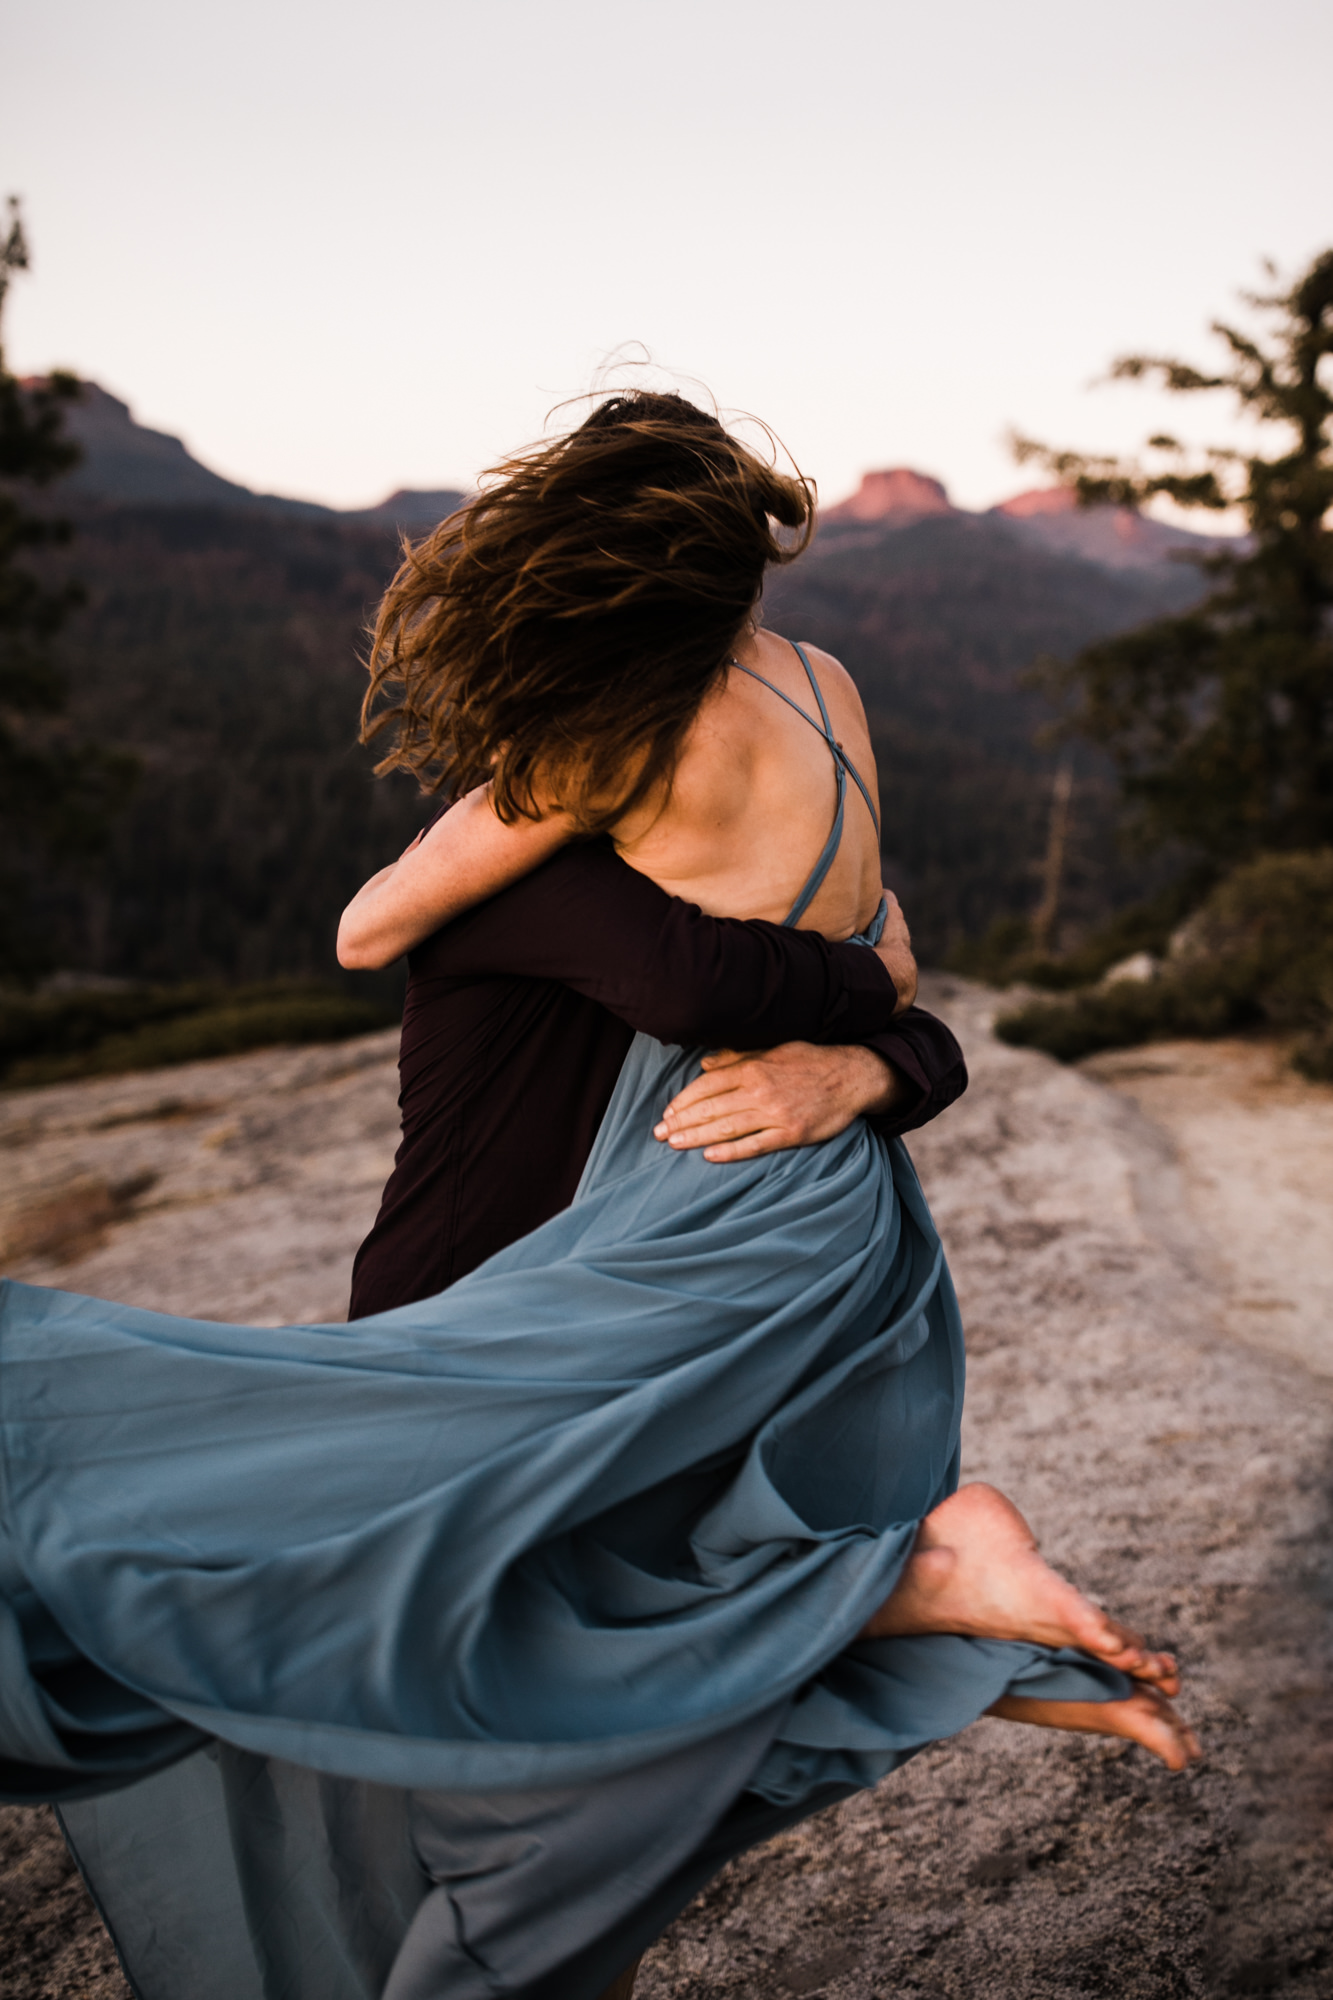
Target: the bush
pixel 1005 955
pixel 1313 1057
pixel 70 1023
pixel 50 1038
pixel 1129 1012
pixel 1259 951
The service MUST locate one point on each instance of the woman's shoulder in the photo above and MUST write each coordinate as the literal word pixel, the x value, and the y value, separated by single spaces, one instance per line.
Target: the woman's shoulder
pixel 779 660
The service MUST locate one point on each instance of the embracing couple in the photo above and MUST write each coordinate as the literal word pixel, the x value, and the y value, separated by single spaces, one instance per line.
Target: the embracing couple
pixel 449 1652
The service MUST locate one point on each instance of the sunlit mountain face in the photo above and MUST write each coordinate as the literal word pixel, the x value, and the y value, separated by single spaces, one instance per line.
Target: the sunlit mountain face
pixel 1047 516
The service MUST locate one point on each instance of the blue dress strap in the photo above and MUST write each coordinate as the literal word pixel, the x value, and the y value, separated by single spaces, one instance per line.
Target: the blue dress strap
pixel 842 765
pixel 839 753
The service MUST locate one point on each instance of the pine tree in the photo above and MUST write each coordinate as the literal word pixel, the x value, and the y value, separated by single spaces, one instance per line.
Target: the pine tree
pixel 55 794
pixel 1221 721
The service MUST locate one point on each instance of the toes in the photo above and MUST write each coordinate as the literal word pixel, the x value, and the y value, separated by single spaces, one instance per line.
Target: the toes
pixel 1165 1742
pixel 1155 1673
pixel 1164 1732
pixel 1177 1746
pixel 1127 1650
pixel 1115 1643
pixel 1118 1647
pixel 1157 1670
pixel 1162 1670
pixel 1129 1641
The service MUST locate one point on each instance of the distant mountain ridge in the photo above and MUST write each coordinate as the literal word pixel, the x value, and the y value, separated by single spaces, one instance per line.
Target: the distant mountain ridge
pixel 126 463
pixel 1118 537
pixel 937 617
pixel 1048 517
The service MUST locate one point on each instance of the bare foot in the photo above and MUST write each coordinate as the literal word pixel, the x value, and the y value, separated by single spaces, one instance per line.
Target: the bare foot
pixel 976 1570
pixel 1146 1718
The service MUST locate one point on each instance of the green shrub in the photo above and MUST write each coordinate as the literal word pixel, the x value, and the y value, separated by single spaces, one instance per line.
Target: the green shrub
pixel 1005 955
pixel 1129 1012
pixel 50 1038
pixel 1313 1057
pixel 1258 951
pixel 1146 926
pixel 993 958
pixel 68 1023
pixel 1274 917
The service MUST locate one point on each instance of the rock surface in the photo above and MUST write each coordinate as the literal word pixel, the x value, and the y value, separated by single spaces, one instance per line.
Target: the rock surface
pixel 235 1190
pixel 1142 1252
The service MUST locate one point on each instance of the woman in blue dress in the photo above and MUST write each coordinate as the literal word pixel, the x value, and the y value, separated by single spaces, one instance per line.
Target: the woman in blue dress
pixel 644 1538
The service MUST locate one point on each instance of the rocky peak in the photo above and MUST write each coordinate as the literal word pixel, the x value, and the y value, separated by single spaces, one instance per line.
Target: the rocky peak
pixel 1117 537
pixel 1039 500
pixel 897 494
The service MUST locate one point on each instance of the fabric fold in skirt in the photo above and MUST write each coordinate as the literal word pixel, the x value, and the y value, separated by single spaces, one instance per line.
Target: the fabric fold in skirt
pixel 631 1488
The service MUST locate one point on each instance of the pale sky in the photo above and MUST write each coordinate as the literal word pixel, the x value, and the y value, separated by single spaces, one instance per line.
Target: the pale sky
pixel 345 247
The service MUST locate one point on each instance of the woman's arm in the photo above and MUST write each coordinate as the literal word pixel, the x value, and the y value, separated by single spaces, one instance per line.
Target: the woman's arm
pixel 465 857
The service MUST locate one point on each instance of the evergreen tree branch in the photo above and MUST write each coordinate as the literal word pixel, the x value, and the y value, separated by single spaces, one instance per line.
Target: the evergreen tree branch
pixel 1221 722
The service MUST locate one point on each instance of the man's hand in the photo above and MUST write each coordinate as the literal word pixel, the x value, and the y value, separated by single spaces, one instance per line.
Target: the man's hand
pixel 894 952
pixel 796 1095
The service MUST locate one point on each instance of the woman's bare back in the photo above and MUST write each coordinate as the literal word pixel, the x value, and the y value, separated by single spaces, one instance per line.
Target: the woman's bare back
pixel 754 795
pixel 739 832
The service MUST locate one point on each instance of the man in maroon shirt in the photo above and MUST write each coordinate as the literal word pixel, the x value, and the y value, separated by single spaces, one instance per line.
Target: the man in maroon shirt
pixel 518 1018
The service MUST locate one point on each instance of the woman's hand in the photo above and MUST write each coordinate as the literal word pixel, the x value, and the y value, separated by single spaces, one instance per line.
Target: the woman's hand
pixel 894 952
pixel 465 857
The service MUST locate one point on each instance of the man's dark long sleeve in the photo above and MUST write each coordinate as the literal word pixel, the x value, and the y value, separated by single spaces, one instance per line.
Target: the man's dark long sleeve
pixel 517 1021
pixel 660 965
pixel 931 1070
pixel 663 967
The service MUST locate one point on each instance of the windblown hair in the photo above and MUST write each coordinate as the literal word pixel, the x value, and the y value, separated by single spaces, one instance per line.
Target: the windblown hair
pixel 557 635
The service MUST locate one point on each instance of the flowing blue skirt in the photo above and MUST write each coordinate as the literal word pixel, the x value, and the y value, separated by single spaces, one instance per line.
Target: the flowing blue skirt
pixel 436 1653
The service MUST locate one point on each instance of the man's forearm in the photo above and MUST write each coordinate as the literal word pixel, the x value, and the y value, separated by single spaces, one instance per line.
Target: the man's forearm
pixel 873 1080
pixel 929 1065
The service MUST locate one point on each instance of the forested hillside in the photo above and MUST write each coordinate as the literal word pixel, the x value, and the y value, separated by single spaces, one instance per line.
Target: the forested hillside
pixel 219 644
pixel 936 619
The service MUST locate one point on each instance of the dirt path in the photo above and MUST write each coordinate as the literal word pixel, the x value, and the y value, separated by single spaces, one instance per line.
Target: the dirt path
pixel 1254 1143
pixel 1169 1437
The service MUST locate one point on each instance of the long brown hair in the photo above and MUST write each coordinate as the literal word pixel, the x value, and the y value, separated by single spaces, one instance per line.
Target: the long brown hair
pixel 558 634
